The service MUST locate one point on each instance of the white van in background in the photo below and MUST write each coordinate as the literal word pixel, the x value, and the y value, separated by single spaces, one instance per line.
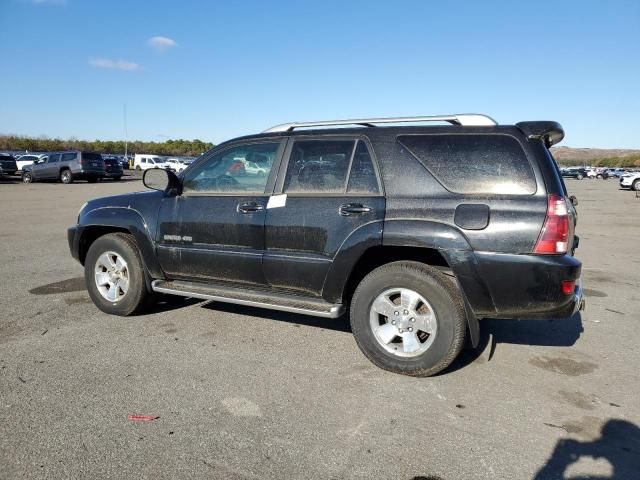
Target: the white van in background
pixel 143 161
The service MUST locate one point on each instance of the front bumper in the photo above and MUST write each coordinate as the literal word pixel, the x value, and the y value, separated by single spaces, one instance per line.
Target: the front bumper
pixel 529 286
pixel 73 237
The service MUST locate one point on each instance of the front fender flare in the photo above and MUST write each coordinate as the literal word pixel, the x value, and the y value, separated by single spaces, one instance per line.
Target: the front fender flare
pixel 131 220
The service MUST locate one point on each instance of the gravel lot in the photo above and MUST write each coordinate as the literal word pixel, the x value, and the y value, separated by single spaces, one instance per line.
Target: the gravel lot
pixel 247 393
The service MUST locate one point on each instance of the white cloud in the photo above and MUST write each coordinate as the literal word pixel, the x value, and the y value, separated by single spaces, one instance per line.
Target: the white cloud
pixel 49 2
pixel 114 64
pixel 161 43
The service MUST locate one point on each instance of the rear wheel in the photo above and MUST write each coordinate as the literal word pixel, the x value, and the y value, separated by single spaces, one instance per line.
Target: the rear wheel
pixel 115 276
pixel 66 177
pixel 27 177
pixel 636 185
pixel 580 176
pixel 408 318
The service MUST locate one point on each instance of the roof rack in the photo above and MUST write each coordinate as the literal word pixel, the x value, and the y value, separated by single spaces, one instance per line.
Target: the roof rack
pixel 465 119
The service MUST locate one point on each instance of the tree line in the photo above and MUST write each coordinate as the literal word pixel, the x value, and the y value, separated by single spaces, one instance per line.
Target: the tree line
pixel 190 148
pixel 626 161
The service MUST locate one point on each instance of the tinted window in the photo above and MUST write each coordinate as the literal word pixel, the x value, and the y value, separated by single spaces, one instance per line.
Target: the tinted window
pixel 318 166
pixel 474 163
pixel 54 157
pixel 67 157
pixel 91 156
pixel 362 178
pixel 243 170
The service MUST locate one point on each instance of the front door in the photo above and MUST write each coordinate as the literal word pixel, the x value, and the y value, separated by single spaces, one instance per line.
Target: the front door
pixel 332 193
pixel 48 169
pixel 214 230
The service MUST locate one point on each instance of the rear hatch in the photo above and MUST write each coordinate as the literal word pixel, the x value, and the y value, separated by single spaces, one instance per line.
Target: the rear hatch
pixel 112 165
pixel 543 135
pixel 92 162
pixel 8 163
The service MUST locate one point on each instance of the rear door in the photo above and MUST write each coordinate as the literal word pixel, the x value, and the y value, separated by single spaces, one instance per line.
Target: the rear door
pixel 214 230
pixel 332 189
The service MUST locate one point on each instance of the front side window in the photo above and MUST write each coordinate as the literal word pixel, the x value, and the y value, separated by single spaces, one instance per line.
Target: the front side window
pixel 318 166
pixel 55 157
pixel 243 170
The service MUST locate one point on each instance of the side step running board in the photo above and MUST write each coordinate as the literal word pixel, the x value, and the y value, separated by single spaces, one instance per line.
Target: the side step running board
pixel 252 298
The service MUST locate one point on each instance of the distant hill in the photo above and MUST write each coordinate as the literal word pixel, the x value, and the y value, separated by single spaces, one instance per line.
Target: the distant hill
pixel 609 157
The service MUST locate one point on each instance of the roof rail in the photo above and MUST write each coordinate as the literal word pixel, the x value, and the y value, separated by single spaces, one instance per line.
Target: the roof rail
pixel 465 119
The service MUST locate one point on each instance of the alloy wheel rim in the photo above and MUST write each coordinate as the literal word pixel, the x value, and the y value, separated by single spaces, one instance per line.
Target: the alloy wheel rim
pixel 111 275
pixel 403 322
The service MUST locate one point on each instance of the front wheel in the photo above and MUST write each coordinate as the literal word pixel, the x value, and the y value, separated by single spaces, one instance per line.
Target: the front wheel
pixel 580 176
pixel 408 318
pixel 115 276
pixel 636 185
pixel 27 177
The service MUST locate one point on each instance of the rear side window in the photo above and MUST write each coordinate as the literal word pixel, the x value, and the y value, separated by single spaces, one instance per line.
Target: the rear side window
pixel 318 166
pixel 67 157
pixel 474 164
pixel 91 156
pixel 55 157
pixel 362 178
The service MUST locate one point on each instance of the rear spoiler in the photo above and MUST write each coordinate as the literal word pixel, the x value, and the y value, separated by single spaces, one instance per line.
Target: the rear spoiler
pixel 549 132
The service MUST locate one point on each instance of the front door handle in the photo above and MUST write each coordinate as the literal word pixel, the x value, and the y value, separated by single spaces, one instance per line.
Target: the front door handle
pixel 349 209
pixel 250 207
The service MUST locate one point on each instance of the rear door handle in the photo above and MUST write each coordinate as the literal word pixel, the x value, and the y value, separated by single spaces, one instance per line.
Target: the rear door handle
pixel 250 207
pixel 349 209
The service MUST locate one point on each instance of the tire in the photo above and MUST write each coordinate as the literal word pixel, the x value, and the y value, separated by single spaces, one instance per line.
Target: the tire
pixel 599 176
pixel 138 168
pixel 66 177
pixel 136 297
pixel 437 350
pixel 116 179
pixel 580 176
pixel 27 177
pixel 636 185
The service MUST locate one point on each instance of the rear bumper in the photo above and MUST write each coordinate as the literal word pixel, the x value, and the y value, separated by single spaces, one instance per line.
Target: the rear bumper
pixel 84 174
pixel 113 174
pixel 529 286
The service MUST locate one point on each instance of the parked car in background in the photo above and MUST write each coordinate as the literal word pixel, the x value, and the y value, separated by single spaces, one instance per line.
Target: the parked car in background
pixel 343 221
pixel 176 164
pixel 145 162
pixel 24 160
pixel 616 172
pixel 574 172
pixel 8 164
pixel 66 167
pixel 630 180
pixel 113 168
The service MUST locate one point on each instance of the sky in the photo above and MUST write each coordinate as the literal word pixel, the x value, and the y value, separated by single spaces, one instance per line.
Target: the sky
pixel 215 70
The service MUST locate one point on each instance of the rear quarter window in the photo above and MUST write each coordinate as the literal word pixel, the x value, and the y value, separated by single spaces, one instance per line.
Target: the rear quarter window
pixel 474 164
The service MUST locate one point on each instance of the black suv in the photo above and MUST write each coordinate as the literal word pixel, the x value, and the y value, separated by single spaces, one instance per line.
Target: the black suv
pixel 66 167
pixel 8 164
pixel 418 231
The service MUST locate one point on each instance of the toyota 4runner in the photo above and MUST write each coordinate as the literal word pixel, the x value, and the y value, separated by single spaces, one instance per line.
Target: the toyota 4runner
pixel 417 231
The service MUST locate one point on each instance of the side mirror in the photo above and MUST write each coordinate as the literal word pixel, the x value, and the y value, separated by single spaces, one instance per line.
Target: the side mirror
pixel 161 180
pixel 574 200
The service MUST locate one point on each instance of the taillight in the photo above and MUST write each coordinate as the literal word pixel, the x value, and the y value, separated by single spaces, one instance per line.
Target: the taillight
pixel 554 237
pixel 568 286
